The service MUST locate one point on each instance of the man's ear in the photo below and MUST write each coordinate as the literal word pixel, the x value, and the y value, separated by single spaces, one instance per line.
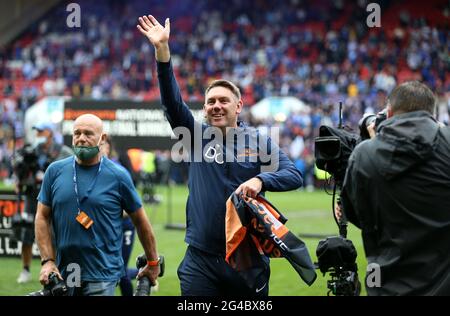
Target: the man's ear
pixel 239 107
pixel 102 139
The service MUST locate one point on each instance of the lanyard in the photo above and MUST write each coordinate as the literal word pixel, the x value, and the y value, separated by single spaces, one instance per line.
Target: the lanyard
pixel 75 186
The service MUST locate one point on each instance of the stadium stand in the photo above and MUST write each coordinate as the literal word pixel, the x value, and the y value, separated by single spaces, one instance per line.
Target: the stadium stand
pixel 321 52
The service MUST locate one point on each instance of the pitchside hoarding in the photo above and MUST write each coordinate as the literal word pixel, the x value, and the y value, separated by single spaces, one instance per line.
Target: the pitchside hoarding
pixel 9 247
pixel 131 124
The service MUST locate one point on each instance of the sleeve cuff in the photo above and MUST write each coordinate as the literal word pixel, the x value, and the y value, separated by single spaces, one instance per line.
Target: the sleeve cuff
pixel 263 188
pixel 163 66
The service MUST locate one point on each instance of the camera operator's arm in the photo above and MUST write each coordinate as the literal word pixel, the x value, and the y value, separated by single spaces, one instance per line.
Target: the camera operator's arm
pixel 148 241
pixel 44 242
pixel 352 192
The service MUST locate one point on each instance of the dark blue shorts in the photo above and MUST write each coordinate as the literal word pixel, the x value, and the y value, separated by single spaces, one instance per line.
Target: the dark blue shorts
pixel 205 274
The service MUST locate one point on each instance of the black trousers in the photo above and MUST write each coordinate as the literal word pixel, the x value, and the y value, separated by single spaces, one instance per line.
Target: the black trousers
pixel 205 274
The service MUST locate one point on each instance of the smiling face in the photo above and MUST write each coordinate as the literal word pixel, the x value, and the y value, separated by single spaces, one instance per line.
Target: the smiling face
pixel 222 107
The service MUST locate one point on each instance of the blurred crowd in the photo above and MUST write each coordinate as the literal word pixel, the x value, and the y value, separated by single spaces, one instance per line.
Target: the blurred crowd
pixel 321 52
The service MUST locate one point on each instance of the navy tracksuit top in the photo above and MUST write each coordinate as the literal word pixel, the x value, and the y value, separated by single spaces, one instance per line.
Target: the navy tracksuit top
pixel 217 167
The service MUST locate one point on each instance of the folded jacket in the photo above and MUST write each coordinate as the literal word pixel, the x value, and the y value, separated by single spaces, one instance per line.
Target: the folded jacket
pixel 254 229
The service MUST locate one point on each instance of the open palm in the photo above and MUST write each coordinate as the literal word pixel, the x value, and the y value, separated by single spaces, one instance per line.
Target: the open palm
pixel 155 32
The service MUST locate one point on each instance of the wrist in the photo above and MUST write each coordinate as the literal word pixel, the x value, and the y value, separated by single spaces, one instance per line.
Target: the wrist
pixel 262 183
pixel 44 261
pixel 162 52
pixel 153 263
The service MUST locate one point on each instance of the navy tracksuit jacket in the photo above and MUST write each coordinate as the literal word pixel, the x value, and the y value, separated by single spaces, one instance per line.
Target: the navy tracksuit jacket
pixel 212 179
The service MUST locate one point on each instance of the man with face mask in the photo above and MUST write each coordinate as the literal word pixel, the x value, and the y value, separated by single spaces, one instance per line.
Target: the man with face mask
pixel 46 150
pixel 81 199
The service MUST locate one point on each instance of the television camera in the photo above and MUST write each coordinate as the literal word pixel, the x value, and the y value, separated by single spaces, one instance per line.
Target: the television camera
pixel 55 287
pixel 26 165
pixel 337 255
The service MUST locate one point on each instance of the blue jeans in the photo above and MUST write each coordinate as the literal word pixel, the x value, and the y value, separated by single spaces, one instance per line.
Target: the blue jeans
pixel 91 288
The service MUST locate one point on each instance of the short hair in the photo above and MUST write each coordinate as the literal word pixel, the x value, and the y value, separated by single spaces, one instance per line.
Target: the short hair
pixel 412 96
pixel 226 84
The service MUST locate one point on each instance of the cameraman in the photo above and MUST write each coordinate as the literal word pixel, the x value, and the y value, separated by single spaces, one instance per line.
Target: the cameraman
pixel 46 151
pixel 396 190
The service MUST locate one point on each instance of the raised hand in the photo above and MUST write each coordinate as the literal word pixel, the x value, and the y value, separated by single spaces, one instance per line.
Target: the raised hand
pixel 155 32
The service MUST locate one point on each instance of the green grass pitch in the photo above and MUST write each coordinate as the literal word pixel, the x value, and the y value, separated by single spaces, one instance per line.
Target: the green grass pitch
pixel 307 213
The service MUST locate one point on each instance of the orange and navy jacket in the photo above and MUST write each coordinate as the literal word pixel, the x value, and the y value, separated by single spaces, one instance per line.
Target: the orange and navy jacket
pixel 255 228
